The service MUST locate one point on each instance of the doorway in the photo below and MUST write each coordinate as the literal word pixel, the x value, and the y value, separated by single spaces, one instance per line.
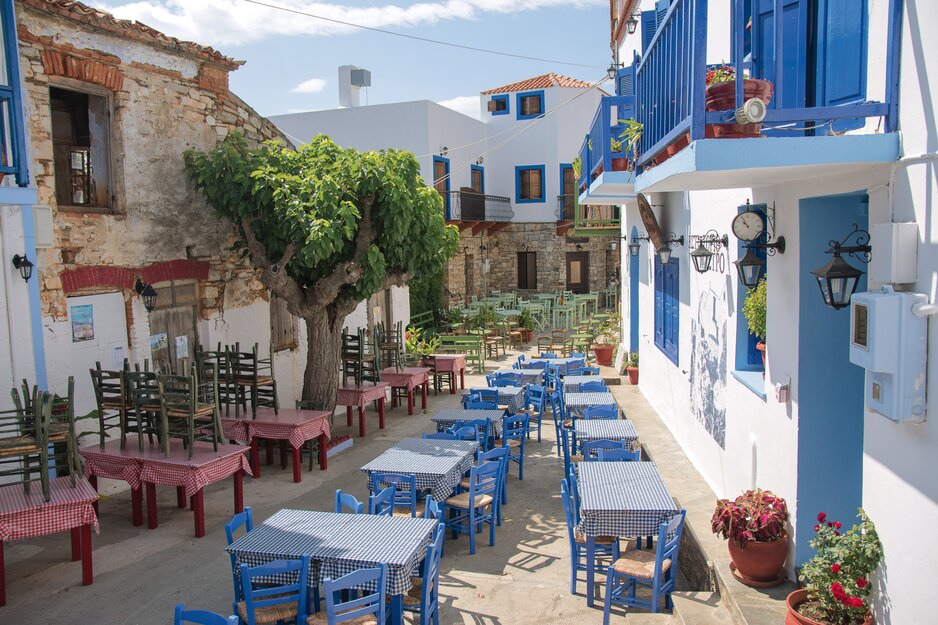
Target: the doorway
pixel 578 272
pixel 172 326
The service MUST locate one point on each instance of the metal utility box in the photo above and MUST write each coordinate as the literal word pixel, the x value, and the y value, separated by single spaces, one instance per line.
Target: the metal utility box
pixel 890 341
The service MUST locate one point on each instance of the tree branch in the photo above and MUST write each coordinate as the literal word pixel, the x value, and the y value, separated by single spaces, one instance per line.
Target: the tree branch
pixel 274 275
pixel 327 289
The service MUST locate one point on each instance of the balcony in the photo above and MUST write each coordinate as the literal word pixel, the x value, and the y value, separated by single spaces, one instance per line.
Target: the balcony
pixel 606 176
pixel 585 220
pixel 480 212
pixel 803 125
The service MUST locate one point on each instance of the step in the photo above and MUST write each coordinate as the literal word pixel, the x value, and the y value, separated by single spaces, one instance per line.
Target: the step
pixel 649 619
pixel 700 608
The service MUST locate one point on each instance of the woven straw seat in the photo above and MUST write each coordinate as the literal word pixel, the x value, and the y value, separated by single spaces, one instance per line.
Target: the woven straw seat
pixel 270 614
pixel 503 406
pixel 462 501
pixel 200 411
pixel 580 538
pixel 320 618
pixel 576 458
pixel 641 564
pixel 249 379
pixel 568 423
pixel 513 442
pixel 401 512
pixel 113 404
pixel 17 445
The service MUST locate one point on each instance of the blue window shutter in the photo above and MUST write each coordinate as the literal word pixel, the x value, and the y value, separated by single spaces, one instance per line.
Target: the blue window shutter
pixel 649 25
pixel 625 86
pixel 841 55
pixel 672 309
pixel 659 304
pixel 661 9
pixel 790 86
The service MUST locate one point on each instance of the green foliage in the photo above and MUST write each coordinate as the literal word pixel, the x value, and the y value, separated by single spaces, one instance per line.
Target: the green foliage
pixel 526 320
pixel 483 317
pixel 838 576
pixel 632 134
pixel 633 359
pixel 453 316
pixel 577 167
pixel 426 293
pixel 314 198
pixel 608 332
pixel 420 343
pixel 754 309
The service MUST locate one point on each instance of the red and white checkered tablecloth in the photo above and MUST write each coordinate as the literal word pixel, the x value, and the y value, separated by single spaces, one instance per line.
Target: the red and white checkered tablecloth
pixel 105 463
pixel 360 395
pixel 28 516
pixel 205 467
pixel 294 426
pixel 450 362
pixel 408 378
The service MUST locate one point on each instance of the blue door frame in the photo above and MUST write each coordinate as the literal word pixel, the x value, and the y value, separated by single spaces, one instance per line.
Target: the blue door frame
pixel 633 296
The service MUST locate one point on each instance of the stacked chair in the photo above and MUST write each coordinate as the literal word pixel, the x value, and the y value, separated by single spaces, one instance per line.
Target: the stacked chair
pixel 251 373
pixel 391 345
pixel 358 361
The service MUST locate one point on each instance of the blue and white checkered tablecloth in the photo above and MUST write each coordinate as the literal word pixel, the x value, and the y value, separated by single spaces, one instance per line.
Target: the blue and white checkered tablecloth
pixel 446 418
pixel 528 376
pixel 511 396
pixel 571 383
pixel 576 402
pixel 438 465
pixel 606 429
pixel 339 544
pixel 562 363
pixel 623 499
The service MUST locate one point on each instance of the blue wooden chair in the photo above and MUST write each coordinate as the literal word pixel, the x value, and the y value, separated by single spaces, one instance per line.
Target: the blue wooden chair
pixel 243 520
pixel 201 617
pixel 467 512
pixel 620 455
pixel 591 449
pixel 590 371
pixel 509 379
pixel 518 363
pixel 500 455
pixel 423 597
pixel 480 431
pixel 655 571
pixel 594 387
pixel 535 398
pixel 604 411
pixel 383 502
pixel 553 376
pixel 514 432
pixel 556 409
pixel 574 369
pixel 373 580
pixel 500 382
pixel 474 401
pixel 345 502
pixel 405 492
pixel 265 603
pixel 490 379
pixel 547 355
pixel 605 546
pixel 441 436
pixel 568 450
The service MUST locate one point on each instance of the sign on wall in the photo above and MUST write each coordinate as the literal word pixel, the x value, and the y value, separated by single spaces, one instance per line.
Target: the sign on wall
pixel 82 323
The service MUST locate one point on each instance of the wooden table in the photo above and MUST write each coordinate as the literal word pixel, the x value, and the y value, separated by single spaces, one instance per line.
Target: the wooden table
pixel 350 395
pixel 294 426
pixel 28 516
pixel 455 363
pixel 408 378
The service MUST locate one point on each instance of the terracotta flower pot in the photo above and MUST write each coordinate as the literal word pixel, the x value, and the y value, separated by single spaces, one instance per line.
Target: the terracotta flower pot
pixel 721 96
pixel 527 335
pixel 759 562
pixel 794 618
pixel 603 354
pixel 633 375
pixel 620 164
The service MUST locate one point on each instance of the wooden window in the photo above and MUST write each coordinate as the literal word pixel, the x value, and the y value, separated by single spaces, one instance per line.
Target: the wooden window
pixel 478 179
pixel 499 105
pixel 530 184
pixel 441 180
pixel 282 325
pixel 530 104
pixel 81 155
pixel 527 270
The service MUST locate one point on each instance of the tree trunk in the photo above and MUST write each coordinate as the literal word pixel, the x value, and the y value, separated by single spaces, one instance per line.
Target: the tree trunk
pixel 324 342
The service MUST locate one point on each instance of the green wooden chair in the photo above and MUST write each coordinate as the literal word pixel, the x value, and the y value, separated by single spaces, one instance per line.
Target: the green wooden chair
pixel 183 416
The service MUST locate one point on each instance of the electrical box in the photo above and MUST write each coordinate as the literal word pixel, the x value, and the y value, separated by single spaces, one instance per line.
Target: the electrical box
pixel 889 341
pixel 361 78
pixel 895 253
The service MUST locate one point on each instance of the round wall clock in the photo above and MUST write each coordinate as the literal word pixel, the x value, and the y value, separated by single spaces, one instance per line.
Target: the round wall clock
pixel 748 226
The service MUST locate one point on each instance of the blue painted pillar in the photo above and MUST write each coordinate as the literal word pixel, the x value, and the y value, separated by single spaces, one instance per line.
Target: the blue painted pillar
pixel 633 295
pixel 35 305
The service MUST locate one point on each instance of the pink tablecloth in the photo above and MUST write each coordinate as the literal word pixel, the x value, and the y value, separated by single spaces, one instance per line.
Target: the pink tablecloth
pixel 294 426
pixel 360 396
pixel 408 378
pixel 205 467
pixel 110 463
pixel 28 516
pixel 450 362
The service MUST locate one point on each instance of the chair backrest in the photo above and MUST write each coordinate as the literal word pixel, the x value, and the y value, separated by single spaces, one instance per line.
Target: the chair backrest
pixel 502 382
pixel 574 483
pixel 514 379
pixel 432 510
pixel 490 379
pixel 578 355
pixel 338 611
pixel 556 405
pixel 553 374
pixel 518 363
pixel 463 432
pixel 535 396
pixel 241 520
pixel 177 392
pixel 547 355
pixel 382 503
pixel 265 595
pixel 345 502
pixel 405 488
pixel 603 411
pixel 201 617
pixel 619 455
pixel 441 436
pixel 486 395
pixel 429 591
pixel 591 448
pixel 669 545
pixel 515 427
pixel 500 455
pixel 484 479
pixel 590 371
pixel 593 387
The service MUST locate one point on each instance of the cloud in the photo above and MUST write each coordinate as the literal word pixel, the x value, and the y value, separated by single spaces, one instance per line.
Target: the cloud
pixel 313 85
pixel 235 22
pixel 465 104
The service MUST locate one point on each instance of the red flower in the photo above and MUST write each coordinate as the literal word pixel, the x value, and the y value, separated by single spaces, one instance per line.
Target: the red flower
pixel 853 602
pixel 837 525
pixel 838 591
pixel 835 568
pixel 817 527
pixel 821 517
pixel 836 533
pixel 862 582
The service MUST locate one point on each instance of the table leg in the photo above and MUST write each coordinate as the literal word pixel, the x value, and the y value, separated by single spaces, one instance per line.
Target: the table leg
pixel 198 510
pixel 93 480
pixel 136 506
pixel 76 544
pixel 255 458
pixel 3 581
pixel 348 415
pixel 238 478
pixel 410 401
pixel 462 379
pixel 423 394
pixel 151 506
pixel 181 497
pixel 381 413
pixel 397 610
pixel 297 468
pixel 590 568
pixel 361 421
pixel 87 569
pixel 323 452
pixel 270 451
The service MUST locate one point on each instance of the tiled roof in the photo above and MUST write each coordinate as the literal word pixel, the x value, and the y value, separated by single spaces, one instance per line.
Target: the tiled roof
pixel 74 10
pixel 541 82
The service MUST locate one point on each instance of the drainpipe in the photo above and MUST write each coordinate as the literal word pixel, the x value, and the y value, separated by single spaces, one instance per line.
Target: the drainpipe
pixel 35 304
pixel 902 163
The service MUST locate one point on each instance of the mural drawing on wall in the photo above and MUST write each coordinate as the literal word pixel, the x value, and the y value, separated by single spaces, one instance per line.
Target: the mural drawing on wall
pixel 82 323
pixel 708 367
pixel 158 342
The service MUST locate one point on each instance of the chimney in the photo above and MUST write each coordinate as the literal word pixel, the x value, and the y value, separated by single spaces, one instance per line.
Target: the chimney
pixel 351 80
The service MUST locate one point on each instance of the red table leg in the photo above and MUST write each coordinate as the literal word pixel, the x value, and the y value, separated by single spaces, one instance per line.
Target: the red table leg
pixel 424 389
pixel 381 413
pixel 136 506
pixel 93 480
pixel 198 510
pixel 255 458
pixel 361 421
pixel 297 467
pixel 323 452
pixel 87 568
pixel 181 497
pixel 238 490
pixel 452 382
pixel 348 415
pixel 3 581
pixel 410 401
pixel 462 379
pixel 76 544
pixel 151 506
pixel 270 451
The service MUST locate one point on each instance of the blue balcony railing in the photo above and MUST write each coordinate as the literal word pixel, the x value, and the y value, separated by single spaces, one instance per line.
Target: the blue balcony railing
pixel 596 153
pixel 671 77
pixel 14 159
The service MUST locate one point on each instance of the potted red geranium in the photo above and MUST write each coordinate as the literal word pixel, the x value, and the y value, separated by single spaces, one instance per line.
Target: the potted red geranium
pixel 604 346
pixel 721 96
pixel 754 523
pixel 837 579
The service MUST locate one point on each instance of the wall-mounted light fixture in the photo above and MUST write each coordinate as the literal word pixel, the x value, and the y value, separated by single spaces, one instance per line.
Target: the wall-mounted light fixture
pixel 631 24
pixel 147 293
pixel 636 244
pixel 613 70
pixel 838 280
pixel 749 226
pixel 709 245
pixel 444 150
pixel 480 160
pixel 578 247
pixel 664 252
pixel 24 265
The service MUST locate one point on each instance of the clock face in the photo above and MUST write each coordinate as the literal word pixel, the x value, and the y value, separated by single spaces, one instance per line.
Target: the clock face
pixel 747 226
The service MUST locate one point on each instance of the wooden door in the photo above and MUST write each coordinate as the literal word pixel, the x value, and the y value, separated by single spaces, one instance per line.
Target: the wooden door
pixel 578 272
pixel 173 327
pixel 568 191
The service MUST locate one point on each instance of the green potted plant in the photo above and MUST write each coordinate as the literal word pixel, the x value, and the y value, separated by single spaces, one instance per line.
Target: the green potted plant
pixel 526 323
pixel 620 162
pixel 836 581
pixel 721 96
pixel 754 309
pixel 632 368
pixel 607 338
pixel 419 344
pixel 632 131
pixel 754 524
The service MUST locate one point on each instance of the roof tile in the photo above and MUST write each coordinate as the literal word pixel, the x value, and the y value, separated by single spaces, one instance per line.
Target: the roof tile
pixel 544 81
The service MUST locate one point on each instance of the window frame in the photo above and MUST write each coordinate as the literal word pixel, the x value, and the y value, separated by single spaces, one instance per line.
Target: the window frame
pixel 502 97
pixel 481 170
pixel 446 174
pixel 292 344
pixel 14 94
pixel 518 172
pixel 668 321
pixel 748 357
pixel 529 94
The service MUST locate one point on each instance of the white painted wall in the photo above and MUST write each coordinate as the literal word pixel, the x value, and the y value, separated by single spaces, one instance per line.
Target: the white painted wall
pixel 16 350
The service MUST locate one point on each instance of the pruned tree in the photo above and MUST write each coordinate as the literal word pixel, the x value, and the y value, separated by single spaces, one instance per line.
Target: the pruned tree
pixel 327 227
